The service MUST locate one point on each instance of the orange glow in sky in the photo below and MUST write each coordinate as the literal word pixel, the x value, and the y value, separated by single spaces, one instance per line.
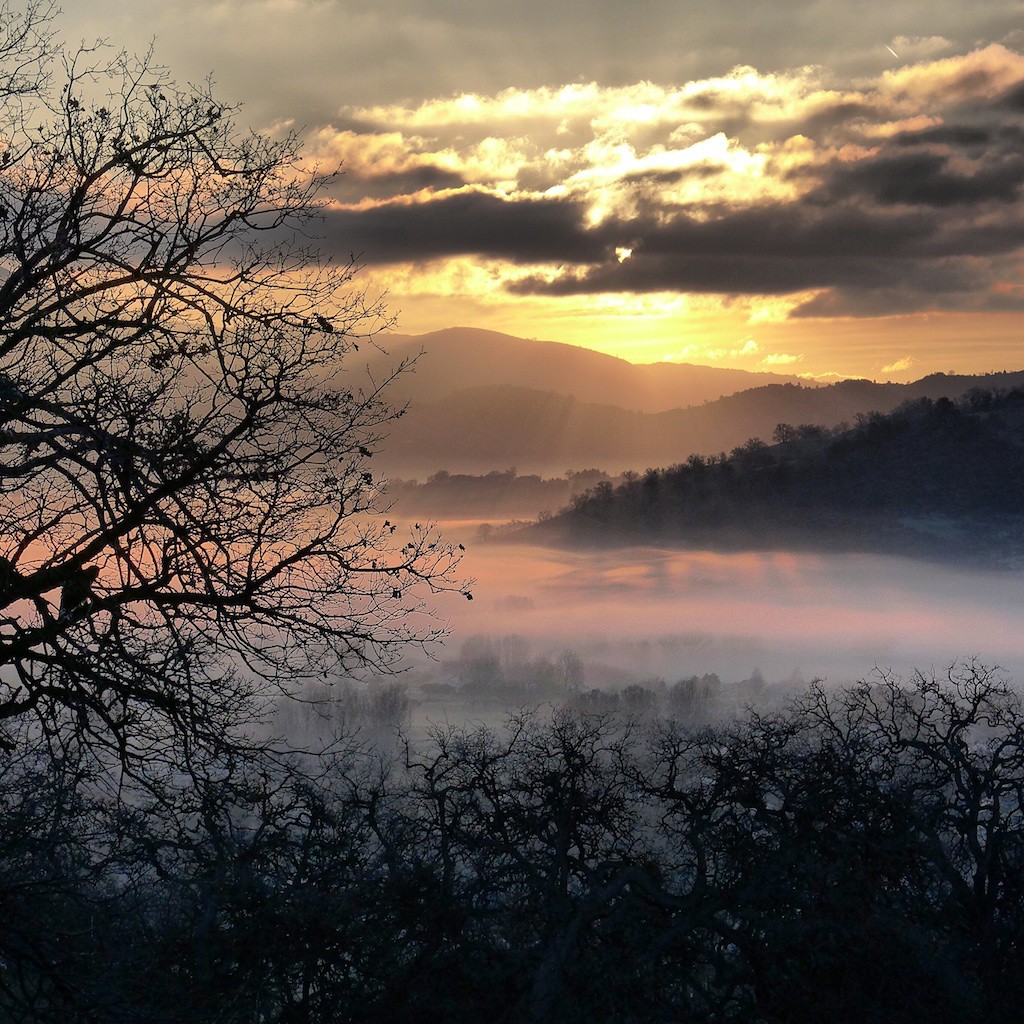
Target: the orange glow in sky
pixel 746 185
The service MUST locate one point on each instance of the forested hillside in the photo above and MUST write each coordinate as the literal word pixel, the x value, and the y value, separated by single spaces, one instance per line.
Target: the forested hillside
pixel 938 477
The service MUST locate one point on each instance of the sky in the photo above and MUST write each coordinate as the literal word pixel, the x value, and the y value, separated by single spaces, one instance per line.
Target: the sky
pixel 820 188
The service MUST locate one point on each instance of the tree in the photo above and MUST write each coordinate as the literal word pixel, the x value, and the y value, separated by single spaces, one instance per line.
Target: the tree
pixel 188 512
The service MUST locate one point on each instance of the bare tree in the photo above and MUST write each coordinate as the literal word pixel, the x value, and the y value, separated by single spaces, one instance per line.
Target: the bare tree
pixel 26 48
pixel 188 513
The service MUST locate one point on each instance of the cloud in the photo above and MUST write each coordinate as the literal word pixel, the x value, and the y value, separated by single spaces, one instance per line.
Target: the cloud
pixel 902 192
pixel 968 80
pixel 786 248
pixel 524 230
pixel 830 377
pixel 781 359
pixel 899 366
pixel 305 59
pixel 912 48
pixel 743 349
pixel 927 177
pixel 985 296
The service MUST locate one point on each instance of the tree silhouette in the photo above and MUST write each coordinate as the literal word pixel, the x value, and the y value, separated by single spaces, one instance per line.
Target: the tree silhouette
pixel 187 513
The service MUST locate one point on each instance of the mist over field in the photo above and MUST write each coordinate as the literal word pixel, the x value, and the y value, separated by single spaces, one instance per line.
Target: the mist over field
pixel 672 613
pixel 832 553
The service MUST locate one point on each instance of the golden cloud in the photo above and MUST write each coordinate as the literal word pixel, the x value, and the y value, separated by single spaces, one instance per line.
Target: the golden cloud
pixel 980 75
pixel 625 147
pixel 899 366
pixel 782 194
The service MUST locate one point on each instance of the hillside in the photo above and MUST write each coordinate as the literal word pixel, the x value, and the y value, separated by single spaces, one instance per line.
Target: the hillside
pixel 480 429
pixel 461 358
pixel 931 478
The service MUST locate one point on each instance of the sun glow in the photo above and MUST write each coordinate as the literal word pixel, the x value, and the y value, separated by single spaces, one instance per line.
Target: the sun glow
pixel 842 225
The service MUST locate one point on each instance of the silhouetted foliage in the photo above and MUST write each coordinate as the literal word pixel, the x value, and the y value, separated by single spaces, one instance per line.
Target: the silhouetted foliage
pixel 858 855
pixel 188 505
pixel 188 530
pixel 931 476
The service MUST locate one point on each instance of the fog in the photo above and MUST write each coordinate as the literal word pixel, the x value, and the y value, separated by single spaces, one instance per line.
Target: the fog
pixel 792 616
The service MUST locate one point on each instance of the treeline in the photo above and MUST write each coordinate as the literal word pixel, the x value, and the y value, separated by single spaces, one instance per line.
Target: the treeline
pixel 503 671
pixel 856 857
pixel 696 699
pixel 498 493
pixel 930 473
pixel 322 710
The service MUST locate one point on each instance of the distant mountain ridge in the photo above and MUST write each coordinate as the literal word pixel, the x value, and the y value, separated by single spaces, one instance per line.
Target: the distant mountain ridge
pixel 460 358
pixel 493 427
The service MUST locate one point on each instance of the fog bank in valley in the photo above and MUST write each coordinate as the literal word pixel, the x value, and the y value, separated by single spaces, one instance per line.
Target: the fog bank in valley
pixel 793 616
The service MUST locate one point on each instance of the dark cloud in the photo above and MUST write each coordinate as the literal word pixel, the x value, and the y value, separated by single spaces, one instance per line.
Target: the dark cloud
pixel 1012 99
pixel 874 302
pixel 740 272
pixel 797 230
pixel 796 247
pixel 753 273
pixel 960 136
pixel 471 223
pixel 925 178
pixel 353 185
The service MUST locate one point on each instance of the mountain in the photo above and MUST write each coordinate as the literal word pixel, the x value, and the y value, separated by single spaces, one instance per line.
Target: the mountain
pixel 479 429
pixel 930 478
pixel 460 358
